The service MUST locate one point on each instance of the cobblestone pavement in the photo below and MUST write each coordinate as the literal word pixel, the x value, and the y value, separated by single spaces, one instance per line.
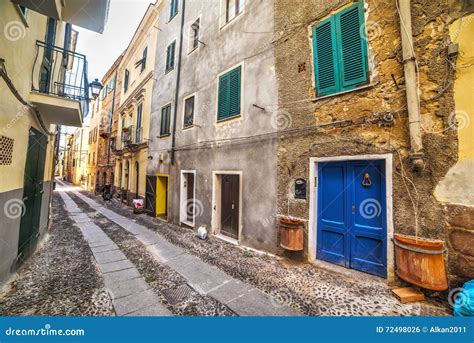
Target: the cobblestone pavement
pixel 60 279
pixel 63 278
pixel 170 286
pixel 309 289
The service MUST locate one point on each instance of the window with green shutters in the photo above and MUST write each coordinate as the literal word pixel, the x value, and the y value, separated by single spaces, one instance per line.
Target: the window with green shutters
pixel 165 120
pixel 229 94
pixel 340 51
pixel 170 52
pixel 173 8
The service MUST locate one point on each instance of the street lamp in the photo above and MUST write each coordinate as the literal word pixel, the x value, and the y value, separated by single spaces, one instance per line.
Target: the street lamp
pixel 96 87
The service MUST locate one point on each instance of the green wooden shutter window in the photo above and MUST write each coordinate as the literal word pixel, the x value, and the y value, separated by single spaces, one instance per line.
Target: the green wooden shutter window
pixel 170 56
pixel 125 82
pixel 165 120
pixel 325 57
pixel 229 94
pixel 352 47
pixel 173 8
pixel 340 51
pixel 145 52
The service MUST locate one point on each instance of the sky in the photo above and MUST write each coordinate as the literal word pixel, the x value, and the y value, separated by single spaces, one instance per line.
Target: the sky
pixel 103 49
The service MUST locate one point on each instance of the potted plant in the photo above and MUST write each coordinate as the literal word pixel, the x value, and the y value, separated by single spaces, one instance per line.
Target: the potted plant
pixel 419 261
pixel 291 234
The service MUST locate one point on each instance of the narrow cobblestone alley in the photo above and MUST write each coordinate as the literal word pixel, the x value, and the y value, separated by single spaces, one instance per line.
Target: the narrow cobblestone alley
pixel 101 259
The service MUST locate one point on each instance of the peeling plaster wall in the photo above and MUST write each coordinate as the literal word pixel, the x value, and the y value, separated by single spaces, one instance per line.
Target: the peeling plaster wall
pixel 246 40
pixel 367 132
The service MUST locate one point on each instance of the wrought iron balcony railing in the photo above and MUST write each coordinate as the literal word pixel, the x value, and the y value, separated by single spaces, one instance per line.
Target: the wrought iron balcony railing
pixel 132 135
pixel 60 72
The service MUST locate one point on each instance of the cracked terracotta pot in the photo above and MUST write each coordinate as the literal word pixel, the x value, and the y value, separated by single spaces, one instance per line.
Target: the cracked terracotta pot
pixel 421 262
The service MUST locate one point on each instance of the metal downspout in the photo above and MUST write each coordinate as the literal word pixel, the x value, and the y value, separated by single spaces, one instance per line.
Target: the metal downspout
pixel 178 79
pixel 411 82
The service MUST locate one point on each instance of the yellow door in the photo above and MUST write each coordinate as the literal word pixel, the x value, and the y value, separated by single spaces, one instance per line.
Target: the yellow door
pixel 161 196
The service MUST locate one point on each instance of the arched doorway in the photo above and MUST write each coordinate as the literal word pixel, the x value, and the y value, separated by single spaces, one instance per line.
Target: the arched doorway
pixel 137 170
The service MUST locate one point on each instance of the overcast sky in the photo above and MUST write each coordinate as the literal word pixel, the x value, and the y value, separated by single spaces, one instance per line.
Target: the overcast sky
pixel 103 49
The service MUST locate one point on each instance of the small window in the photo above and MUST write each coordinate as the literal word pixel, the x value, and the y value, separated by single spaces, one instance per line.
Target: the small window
pixel 23 10
pixel 126 80
pixel 173 8
pixel 170 53
pixel 145 51
pixel 195 32
pixel 165 120
pixel 229 94
pixel 233 9
pixel 188 120
pixel 340 52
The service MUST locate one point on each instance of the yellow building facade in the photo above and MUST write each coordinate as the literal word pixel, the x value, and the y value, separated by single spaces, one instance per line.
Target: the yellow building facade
pixel 136 78
pixel 36 96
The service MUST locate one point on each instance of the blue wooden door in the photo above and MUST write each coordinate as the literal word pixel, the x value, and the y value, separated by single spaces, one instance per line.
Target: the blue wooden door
pixel 352 215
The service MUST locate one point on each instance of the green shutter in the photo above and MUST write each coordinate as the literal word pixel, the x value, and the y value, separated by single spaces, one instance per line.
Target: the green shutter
pixel 234 92
pixel 340 51
pixel 173 45
pixel 229 94
pixel 352 47
pixel 223 102
pixel 325 57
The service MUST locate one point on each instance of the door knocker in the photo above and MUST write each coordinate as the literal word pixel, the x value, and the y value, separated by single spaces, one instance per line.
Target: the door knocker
pixel 366 181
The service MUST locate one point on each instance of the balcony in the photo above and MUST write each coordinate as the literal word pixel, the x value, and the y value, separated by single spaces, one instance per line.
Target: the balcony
pixel 60 88
pixel 91 15
pixel 132 137
pixel 105 127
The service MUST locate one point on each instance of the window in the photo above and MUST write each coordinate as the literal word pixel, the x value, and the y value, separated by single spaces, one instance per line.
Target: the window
pixel 340 52
pixel 229 94
pixel 188 120
pixel 144 59
pixel 170 56
pixel 165 120
pixel 173 8
pixel 195 35
pixel 138 136
pixel 125 80
pixel 233 9
pixel 23 10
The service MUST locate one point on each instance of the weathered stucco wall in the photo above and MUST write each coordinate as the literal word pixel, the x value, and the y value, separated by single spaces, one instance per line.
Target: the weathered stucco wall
pixel 18 49
pixel 366 114
pixel 244 144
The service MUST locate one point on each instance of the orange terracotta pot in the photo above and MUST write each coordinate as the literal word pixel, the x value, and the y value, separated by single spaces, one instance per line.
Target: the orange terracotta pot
pixel 421 262
pixel 291 233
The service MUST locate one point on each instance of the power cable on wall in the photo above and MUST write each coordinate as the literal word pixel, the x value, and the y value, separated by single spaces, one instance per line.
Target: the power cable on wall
pixel 11 86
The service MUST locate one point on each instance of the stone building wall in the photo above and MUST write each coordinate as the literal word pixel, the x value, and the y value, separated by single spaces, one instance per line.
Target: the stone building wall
pixel 372 120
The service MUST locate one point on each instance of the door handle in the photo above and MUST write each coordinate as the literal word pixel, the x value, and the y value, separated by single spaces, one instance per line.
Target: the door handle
pixel 233 206
pixel 353 209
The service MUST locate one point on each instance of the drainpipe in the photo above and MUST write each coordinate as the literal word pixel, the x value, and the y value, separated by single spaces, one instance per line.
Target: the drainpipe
pixel 411 82
pixel 178 79
pixel 110 127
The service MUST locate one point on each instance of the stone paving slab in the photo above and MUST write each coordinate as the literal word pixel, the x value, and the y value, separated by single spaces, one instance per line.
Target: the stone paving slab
pixel 125 288
pixel 115 266
pixel 122 275
pixel 165 251
pixel 203 277
pixel 128 289
pixel 109 256
pixel 104 248
pixel 139 301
